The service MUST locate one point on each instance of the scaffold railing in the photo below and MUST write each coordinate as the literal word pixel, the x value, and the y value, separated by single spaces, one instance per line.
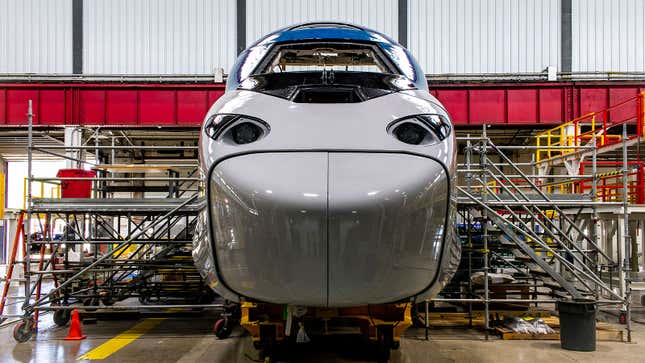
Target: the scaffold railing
pixel 609 183
pixel 125 243
pixel 526 225
pixel 602 128
pixel 41 187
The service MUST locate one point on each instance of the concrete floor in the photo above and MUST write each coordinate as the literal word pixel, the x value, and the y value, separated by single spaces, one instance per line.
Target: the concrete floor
pixel 190 339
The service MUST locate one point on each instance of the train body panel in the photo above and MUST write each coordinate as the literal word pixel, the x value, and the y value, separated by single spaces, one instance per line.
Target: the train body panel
pixel 329 187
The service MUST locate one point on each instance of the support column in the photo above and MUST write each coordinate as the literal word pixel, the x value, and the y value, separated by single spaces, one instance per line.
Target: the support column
pixel 620 234
pixel 73 139
pixel 640 239
pixel 403 23
pixel 3 204
pixel 636 245
pixel 566 43
pixel 77 36
pixel 612 238
pixel 241 25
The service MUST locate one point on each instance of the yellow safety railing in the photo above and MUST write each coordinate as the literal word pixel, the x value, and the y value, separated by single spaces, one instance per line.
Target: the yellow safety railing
pixel 567 138
pixel 39 191
pixel 3 195
pixel 565 187
pixel 555 142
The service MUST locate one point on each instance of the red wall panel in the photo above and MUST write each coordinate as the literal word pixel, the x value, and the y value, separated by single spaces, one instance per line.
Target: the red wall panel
pixel 17 101
pixel 593 99
pixel 487 106
pixel 92 107
pixel 551 105
pixel 625 111
pixel 522 106
pixel 172 104
pixel 191 106
pixel 456 102
pixel 121 107
pixel 157 107
pixel 51 107
pixel 3 106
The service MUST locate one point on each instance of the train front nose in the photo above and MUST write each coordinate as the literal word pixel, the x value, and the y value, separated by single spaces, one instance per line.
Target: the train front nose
pixel 328 228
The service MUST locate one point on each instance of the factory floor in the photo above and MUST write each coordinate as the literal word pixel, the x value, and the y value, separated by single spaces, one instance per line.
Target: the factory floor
pixel 189 338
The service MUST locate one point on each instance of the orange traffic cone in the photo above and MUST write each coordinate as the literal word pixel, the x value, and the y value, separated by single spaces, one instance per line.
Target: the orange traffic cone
pixel 75 332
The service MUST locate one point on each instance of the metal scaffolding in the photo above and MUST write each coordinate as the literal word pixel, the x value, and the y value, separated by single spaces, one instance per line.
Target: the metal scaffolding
pixel 512 219
pixel 131 239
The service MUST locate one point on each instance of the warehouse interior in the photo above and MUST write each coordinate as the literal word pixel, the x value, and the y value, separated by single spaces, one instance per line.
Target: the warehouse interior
pixel 103 107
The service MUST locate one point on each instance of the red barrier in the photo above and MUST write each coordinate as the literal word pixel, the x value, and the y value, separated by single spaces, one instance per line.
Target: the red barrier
pixel 185 104
pixel 609 186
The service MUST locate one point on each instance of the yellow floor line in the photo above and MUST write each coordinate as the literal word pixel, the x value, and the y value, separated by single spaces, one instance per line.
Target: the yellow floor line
pixel 118 342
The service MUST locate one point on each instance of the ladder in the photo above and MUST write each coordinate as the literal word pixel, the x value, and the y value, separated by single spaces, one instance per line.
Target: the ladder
pixel 20 240
pixel 19 237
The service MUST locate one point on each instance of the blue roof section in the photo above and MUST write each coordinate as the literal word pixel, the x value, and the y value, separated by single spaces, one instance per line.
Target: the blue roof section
pixel 321 31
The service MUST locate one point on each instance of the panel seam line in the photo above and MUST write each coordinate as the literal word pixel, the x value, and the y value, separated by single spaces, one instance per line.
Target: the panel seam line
pixel 327 232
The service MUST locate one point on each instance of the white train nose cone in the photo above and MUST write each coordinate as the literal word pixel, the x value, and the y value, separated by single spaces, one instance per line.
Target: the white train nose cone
pixel 328 229
pixel 387 214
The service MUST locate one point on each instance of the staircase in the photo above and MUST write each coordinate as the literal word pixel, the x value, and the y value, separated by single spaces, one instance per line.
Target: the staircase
pixel 543 236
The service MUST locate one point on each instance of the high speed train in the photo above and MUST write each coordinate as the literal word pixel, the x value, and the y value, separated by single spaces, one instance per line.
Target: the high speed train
pixel 329 171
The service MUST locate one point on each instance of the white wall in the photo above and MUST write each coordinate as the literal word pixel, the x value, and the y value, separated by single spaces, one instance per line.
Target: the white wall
pixel 196 36
pixel 158 36
pixel 36 36
pixel 484 36
pixel 608 35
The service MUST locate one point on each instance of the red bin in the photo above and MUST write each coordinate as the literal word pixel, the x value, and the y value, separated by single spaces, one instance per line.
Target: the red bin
pixel 75 188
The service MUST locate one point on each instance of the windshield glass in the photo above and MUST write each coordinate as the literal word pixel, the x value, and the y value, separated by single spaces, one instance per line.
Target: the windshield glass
pixel 325 57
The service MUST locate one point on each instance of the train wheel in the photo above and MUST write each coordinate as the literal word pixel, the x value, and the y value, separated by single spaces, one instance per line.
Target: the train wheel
pixel 382 353
pixel 384 343
pixel 93 301
pixel 222 328
pixel 266 356
pixel 396 345
pixel 54 297
pixel 107 301
pixel 24 330
pixel 61 317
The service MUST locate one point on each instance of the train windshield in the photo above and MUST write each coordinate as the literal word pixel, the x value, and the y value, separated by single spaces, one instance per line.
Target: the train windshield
pixel 326 57
pixel 326 72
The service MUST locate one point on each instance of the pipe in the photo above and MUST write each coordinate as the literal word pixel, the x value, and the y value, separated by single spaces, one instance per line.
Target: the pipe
pixel 27 242
pixel 130 307
pixel 626 237
pixel 117 179
pixel 612 302
pixel 483 160
pixel 120 147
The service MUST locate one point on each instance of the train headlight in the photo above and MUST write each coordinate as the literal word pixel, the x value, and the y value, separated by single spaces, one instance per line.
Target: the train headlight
pixel 410 133
pixel 424 129
pixel 245 133
pixel 236 129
